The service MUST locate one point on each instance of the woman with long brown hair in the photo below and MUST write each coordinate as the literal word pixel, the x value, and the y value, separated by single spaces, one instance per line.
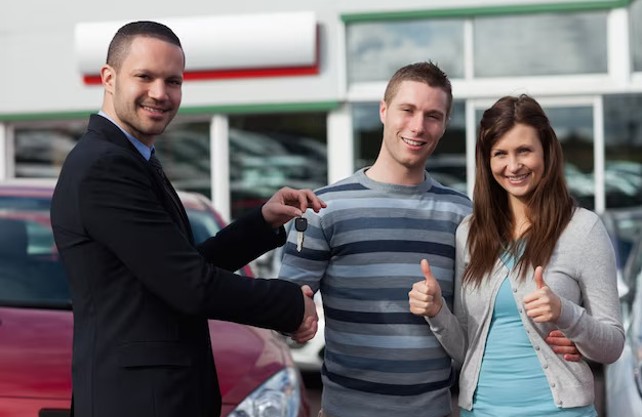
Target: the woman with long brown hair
pixel 529 261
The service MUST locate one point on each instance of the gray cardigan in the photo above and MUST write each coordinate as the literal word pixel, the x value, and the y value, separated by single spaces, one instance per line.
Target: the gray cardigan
pixel 582 273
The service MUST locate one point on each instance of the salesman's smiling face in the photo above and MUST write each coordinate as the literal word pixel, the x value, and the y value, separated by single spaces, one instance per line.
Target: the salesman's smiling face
pixel 145 91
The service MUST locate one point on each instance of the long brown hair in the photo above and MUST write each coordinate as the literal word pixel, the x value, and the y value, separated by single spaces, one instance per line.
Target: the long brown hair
pixel 549 207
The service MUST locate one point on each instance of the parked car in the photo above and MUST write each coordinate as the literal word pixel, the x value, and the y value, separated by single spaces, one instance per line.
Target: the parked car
pixel 256 373
pixel 623 378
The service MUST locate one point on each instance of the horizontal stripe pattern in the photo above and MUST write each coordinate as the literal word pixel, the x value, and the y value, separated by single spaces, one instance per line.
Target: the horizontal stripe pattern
pixel 363 253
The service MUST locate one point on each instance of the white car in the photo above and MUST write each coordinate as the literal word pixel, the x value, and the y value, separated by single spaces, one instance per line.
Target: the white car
pixel 623 378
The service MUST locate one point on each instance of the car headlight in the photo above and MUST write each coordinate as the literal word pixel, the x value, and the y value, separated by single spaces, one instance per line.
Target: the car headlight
pixel 279 396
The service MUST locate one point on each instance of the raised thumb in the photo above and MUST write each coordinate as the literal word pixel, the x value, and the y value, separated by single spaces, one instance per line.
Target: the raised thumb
pixel 539 277
pixel 425 268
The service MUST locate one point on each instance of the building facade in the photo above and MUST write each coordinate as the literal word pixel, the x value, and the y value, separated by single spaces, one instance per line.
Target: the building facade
pixel 287 93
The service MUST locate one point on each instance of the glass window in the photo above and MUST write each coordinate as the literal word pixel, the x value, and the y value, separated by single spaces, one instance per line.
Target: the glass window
pixel 270 151
pixel 623 150
pixel 41 148
pixel 184 150
pixel 635 11
pixel 540 44
pixel 448 162
pixel 574 129
pixel 377 49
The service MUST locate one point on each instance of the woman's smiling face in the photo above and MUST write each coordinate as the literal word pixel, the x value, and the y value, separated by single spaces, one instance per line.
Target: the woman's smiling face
pixel 517 161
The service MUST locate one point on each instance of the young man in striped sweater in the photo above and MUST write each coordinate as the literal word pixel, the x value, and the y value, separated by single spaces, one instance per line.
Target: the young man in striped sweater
pixel 363 252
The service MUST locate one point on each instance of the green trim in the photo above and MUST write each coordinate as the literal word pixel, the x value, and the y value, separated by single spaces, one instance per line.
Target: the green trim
pixel 483 11
pixel 204 110
pixel 262 108
pixel 30 117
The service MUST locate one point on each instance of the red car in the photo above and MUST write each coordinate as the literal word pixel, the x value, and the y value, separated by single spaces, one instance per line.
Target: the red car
pixel 256 373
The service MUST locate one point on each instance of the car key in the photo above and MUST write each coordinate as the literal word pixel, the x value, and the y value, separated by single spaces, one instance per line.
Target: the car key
pixel 300 224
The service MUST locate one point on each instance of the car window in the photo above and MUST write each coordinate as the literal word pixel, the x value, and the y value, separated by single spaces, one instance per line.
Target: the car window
pixel 204 225
pixel 31 274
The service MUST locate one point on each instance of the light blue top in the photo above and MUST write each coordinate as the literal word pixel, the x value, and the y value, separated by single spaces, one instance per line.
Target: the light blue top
pixel 581 271
pixel 511 380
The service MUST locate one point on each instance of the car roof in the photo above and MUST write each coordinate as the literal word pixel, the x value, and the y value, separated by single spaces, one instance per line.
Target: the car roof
pixel 43 187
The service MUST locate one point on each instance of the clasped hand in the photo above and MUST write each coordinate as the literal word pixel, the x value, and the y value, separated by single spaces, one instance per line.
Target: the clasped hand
pixel 309 325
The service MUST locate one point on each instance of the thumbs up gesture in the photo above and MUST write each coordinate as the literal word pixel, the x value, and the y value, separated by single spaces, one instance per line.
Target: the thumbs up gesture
pixel 425 296
pixel 542 305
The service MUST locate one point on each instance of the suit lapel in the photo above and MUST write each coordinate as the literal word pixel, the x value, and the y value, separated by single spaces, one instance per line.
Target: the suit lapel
pixel 166 193
pixel 168 196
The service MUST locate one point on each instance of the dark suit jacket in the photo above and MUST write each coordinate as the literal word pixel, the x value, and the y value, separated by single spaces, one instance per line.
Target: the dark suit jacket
pixel 142 292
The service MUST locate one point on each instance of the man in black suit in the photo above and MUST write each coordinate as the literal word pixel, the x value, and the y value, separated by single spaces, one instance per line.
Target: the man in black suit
pixel 141 290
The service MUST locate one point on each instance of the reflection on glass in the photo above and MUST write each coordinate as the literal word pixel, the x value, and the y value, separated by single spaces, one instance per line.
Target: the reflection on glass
pixel 623 150
pixel 184 150
pixel 635 10
pixel 377 49
pixel 40 149
pixel 271 151
pixel 448 162
pixel 540 44
pixel 574 129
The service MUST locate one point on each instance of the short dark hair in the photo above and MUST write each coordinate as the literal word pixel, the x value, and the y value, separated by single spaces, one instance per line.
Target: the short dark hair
pixel 424 72
pixel 126 34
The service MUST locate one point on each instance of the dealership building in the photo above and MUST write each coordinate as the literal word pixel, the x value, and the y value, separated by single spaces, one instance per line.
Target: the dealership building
pixel 287 93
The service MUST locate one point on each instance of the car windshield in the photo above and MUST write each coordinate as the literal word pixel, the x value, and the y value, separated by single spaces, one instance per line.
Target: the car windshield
pixel 31 274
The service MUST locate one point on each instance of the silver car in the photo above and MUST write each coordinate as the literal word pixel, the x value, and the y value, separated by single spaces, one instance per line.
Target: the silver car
pixel 623 378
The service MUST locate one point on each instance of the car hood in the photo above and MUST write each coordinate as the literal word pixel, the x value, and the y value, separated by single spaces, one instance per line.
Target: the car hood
pixel 245 358
pixel 36 346
pixel 35 353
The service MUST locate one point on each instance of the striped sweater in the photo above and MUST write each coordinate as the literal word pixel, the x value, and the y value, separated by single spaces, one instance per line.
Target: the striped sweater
pixel 363 252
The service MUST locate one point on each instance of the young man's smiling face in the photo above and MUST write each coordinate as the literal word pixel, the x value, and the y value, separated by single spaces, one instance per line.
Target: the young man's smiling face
pixel 413 122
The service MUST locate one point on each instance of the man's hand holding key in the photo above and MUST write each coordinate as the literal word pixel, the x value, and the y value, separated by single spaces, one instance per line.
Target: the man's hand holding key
pixel 288 203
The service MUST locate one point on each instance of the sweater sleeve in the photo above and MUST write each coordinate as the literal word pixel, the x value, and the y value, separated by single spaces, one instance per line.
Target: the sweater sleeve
pixel 450 329
pixel 595 326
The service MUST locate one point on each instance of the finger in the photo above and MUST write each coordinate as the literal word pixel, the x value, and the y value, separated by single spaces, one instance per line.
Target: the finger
pixel 316 202
pixel 558 341
pixel 425 268
pixel 288 211
pixel 307 291
pixel 536 314
pixel 571 350
pixel 556 333
pixel 539 277
pixel 572 358
pixel 303 200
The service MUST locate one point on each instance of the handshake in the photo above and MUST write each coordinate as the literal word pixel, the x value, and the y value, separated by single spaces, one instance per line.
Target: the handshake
pixel 309 324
